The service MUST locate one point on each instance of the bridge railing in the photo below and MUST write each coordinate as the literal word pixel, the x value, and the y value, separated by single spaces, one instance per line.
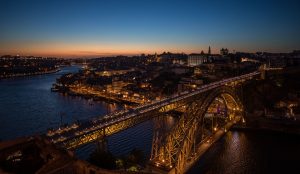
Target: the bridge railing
pixel 119 116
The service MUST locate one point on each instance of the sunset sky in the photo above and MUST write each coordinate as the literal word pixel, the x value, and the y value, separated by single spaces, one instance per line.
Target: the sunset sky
pixel 111 27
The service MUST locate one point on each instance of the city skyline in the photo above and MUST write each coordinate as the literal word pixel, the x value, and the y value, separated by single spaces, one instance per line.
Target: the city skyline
pixel 149 86
pixel 105 28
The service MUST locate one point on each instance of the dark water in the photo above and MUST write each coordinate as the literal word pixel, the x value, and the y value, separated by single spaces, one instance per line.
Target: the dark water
pixel 251 152
pixel 27 106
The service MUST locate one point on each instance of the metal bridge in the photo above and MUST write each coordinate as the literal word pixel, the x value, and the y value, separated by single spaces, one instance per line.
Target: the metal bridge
pixel 173 151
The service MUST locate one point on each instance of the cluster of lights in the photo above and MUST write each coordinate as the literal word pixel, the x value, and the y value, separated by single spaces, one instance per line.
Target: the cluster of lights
pixel 157 164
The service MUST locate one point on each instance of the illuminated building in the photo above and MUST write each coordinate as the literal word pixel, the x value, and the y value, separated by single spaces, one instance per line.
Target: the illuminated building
pixel 196 59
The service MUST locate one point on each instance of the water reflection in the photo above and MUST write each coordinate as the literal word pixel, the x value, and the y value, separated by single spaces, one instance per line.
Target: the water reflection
pixel 252 152
pixel 27 105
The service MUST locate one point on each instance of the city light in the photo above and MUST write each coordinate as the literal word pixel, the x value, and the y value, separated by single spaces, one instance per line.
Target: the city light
pixel 243 120
pixel 149 86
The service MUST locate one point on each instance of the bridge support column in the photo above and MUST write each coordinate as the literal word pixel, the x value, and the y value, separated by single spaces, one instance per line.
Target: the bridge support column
pixel 101 145
pixel 159 130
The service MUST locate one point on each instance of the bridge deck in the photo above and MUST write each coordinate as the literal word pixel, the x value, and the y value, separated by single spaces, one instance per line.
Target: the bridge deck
pixel 93 127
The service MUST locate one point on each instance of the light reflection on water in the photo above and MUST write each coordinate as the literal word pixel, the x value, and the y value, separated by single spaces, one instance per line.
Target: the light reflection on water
pixel 252 152
pixel 28 106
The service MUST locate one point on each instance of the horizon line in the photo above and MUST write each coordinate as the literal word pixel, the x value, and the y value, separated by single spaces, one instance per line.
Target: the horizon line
pixel 103 55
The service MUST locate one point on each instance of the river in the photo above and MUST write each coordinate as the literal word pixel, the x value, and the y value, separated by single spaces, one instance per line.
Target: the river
pixel 27 106
pixel 253 152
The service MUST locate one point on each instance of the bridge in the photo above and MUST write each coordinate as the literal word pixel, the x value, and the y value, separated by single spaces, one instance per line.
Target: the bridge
pixel 206 113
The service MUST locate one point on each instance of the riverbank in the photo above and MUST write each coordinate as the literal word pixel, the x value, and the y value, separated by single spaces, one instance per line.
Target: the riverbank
pixel 98 98
pixel 30 74
pixel 93 93
pixel 39 109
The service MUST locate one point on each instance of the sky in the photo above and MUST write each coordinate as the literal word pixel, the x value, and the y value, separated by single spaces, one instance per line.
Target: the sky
pixel 93 28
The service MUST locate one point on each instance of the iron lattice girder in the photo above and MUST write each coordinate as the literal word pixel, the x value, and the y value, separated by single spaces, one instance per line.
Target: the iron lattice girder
pixel 157 138
pixel 92 136
pixel 173 141
pixel 77 141
pixel 74 141
pixel 179 141
pixel 70 140
pixel 186 146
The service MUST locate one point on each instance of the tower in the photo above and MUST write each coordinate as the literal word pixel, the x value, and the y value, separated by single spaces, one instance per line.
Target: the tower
pixel 209 51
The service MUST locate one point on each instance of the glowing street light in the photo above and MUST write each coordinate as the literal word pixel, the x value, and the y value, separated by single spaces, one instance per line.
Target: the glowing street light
pixel 243 120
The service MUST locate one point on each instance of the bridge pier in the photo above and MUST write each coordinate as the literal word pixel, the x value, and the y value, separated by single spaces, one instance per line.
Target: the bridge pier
pixel 101 145
pixel 199 151
pixel 203 147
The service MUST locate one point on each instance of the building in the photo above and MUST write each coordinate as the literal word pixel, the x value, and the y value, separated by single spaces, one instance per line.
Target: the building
pixel 197 59
pixel 224 51
pixel 181 70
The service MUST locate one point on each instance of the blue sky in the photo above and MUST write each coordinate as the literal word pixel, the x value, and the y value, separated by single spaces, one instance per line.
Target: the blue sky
pixel 104 27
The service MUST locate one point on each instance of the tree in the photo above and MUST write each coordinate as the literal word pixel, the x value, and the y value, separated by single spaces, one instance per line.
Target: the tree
pixel 103 159
pixel 136 156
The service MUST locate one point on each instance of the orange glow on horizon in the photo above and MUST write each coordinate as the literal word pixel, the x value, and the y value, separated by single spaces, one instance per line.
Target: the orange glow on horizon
pixel 61 49
pixel 93 50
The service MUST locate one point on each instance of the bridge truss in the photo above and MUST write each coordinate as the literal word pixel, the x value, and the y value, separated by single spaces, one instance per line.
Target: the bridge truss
pixel 171 149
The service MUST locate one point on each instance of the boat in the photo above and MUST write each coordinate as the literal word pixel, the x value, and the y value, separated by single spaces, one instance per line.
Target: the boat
pixel 54 88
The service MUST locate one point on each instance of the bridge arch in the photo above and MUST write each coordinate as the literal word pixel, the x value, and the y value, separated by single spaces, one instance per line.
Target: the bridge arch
pixel 180 142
